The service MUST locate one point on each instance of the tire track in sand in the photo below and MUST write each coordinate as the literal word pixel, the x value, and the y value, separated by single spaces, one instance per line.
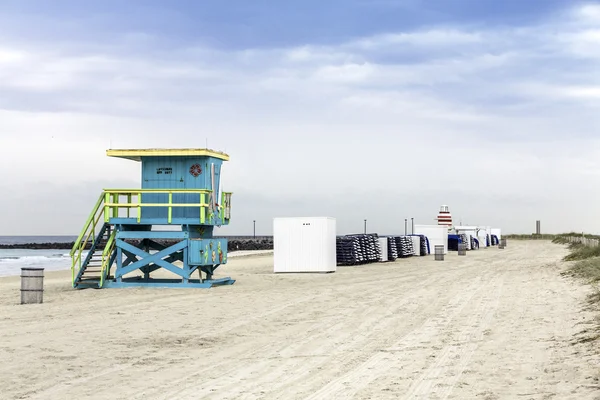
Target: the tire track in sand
pixel 360 377
pixel 462 348
pixel 256 362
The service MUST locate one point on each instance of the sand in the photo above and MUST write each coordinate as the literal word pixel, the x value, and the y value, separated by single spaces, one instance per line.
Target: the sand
pixel 496 324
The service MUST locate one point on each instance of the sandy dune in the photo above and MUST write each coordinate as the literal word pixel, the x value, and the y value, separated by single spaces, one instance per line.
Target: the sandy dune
pixel 496 324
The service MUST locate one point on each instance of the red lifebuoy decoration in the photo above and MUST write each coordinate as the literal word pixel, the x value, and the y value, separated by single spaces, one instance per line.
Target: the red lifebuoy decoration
pixel 195 170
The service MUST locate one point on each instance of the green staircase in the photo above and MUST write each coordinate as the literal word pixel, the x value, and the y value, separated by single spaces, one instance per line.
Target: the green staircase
pixel 99 237
pixel 93 267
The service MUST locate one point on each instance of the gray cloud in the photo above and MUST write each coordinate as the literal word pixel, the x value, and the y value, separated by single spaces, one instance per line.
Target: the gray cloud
pixel 499 124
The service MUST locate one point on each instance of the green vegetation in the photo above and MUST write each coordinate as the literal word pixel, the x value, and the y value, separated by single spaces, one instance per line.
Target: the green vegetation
pixel 532 236
pixel 588 262
pixel 559 238
pixel 579 234
pixel 580 252
pixel 586 267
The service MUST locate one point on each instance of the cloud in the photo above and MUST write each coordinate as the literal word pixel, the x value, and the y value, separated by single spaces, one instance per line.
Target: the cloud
pixel 589 92
pixel 434 38
pixel 587 13
pixel 389 124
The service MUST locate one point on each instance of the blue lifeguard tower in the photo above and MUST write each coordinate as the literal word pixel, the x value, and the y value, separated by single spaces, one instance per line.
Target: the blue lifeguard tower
pixel 160 234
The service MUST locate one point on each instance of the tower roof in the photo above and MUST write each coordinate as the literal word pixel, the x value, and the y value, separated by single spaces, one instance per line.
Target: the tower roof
pixel 137 154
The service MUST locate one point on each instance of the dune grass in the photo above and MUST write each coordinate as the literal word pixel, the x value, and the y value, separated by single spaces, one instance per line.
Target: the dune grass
pixel 580 252
pixel 559 238
pixel 588 261
pixel 587 268
pixel 532 236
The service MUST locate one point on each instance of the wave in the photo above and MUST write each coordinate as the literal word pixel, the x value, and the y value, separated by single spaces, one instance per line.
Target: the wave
pixel 57 255
pixel 12 262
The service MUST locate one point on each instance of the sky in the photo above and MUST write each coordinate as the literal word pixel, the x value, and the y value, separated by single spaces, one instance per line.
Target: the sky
pixel 355 109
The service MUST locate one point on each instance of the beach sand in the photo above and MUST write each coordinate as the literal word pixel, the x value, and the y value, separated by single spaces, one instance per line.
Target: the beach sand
pixel 496 324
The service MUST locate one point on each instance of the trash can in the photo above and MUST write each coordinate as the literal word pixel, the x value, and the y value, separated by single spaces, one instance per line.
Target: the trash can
pixel 462 249
pixel 439 253
pixel 32 285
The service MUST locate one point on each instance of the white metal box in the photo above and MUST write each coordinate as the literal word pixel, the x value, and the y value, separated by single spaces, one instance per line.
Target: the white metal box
pixel 304 244
pixel 482 237
pixel 416 240
pixel 497 232
pixel 383 249
pixel 437 235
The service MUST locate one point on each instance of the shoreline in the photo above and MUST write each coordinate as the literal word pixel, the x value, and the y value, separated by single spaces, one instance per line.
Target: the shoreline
pixel 262 243
pixel 61 267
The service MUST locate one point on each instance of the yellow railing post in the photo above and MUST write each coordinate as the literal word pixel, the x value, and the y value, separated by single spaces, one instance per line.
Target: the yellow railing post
pixel 202 208
pixel 139 209
pixel 106 202
pixel 222 209
pixel 170 207
pixel 128 202
pixel 115 208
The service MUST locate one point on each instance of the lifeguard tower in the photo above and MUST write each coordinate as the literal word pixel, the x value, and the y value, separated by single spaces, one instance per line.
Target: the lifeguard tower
pixel 179 191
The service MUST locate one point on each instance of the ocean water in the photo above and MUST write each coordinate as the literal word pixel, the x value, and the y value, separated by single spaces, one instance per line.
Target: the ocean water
pixel 12 260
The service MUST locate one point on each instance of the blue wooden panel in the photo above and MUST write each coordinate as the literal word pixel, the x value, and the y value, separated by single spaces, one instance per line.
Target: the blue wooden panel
pixel 169 283
pixel 207 251
pixel 160 173
pixel 178 173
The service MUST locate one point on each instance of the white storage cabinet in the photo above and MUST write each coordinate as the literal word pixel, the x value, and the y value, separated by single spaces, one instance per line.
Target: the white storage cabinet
pixel 416 240
pixel 497 232
pixel 304 244
pixel 437 235
pixel 482 236
pixel 383 249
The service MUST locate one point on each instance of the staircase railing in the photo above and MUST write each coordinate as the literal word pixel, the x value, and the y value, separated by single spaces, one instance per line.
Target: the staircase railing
pixel 107 257
pixel 133 201
pixel 88 231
